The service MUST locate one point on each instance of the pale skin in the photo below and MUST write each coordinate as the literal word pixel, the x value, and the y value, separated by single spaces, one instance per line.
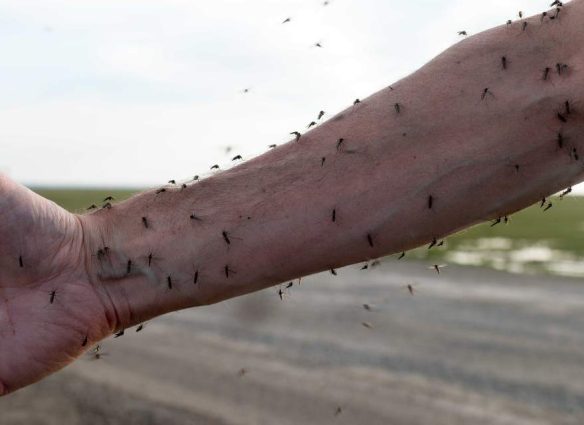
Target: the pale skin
pixel 65 280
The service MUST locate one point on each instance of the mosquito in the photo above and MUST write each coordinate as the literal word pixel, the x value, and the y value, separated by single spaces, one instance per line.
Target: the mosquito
pixel 312 124
pixel 433 243
pixel 320 114
pixel 486 91
pixel 236 157
pixel 410 287
pixel 565 192
pixel 119 333
pixel 560 67
pixel 463 33
pixel 297 134
pixel 402 255
pixel 96 353
pixel 227 270
pixel 437 267
pixel 108 198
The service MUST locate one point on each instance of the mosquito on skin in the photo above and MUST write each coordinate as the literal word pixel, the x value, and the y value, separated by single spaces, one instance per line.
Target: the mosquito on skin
pixel 565 192
pixel 296 134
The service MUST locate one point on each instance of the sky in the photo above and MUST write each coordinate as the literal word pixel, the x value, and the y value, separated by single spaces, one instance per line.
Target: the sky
pixel 133 93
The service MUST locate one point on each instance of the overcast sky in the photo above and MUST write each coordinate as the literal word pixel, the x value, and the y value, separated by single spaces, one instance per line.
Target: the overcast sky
pixel 136 92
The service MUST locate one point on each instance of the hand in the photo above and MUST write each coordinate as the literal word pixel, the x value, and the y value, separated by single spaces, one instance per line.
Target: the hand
pixel 49 312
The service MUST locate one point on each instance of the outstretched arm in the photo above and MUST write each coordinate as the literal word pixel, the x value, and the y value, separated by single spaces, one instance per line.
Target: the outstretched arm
pixel 489 127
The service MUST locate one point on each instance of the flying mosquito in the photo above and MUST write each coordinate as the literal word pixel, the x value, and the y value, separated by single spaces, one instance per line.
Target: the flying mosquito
pixel 96 353
pixel 437 267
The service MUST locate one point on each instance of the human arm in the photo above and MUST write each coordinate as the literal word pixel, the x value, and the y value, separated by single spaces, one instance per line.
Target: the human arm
pixel 449 156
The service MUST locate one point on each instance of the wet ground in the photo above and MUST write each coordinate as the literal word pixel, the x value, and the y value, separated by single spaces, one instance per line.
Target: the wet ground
pixel 470 346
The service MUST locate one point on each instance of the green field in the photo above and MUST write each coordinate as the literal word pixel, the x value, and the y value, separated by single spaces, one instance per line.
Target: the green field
pixel 532 242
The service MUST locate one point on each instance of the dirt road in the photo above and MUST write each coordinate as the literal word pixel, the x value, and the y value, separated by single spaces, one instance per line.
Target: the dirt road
pixel 470 346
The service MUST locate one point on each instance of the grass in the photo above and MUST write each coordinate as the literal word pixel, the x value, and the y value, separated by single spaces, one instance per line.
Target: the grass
pixel 560 230
pixel 77 200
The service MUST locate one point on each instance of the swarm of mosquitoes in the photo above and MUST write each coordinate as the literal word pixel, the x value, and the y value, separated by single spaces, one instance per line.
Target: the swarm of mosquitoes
pixel 561 114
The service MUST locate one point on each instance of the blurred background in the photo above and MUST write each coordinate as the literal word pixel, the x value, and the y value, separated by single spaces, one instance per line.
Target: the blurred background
pixel 110 97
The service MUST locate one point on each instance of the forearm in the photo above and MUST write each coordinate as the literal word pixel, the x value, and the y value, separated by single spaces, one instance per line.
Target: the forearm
pixel 449 156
